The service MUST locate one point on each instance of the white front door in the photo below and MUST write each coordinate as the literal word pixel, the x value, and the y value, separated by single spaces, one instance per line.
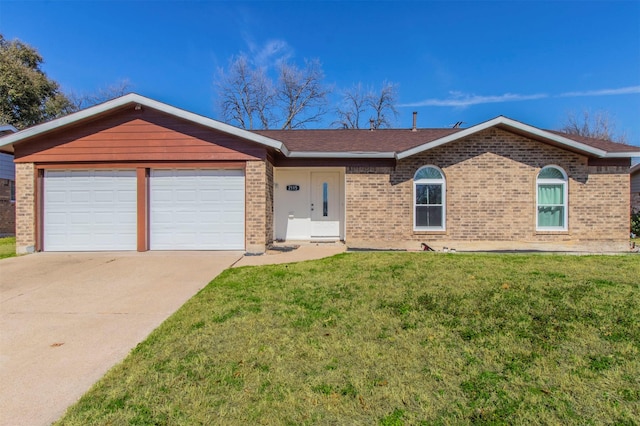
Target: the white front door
pixel 308 204
pixel 325 205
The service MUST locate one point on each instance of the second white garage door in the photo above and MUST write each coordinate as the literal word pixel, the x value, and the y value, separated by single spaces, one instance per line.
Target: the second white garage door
pixel 196 210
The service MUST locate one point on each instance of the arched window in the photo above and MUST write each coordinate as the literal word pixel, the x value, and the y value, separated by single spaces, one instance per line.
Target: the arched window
pixel 551 199
pixel 429 199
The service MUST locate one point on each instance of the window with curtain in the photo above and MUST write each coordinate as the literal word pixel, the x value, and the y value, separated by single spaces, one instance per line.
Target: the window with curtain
pixel 552 199
pixel 429 199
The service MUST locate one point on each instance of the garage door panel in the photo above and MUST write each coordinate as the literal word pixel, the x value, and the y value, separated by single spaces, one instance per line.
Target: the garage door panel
pixel 79 196
pixel 233 195
pixel 80 218
pixel 105 218
pixel 57 196
pixel 90 210
pixel 210 195
pixel 127 217
pixel 105 196
pixel 162 195
pixel 186 218
pixel 189 210
pixel 186 195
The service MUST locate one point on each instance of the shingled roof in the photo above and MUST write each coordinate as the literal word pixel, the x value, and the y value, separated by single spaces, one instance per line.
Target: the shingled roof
pixel 602 144
pixel 405 142
pixel 355 140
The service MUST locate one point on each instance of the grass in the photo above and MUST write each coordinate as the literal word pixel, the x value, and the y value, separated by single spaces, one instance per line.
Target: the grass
pixel 391 339
pixel 7 247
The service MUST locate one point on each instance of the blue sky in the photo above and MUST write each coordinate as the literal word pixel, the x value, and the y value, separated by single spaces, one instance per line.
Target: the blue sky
pixel 453 61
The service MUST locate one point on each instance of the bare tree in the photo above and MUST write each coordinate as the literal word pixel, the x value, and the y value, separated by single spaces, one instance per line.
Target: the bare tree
pixel 356 103
pixel 245 94
pixel 301 93
pixel 104 94
pixel 249 98
pixel 265 96
pixel 384 106
pixel 598 125
pixel 353 105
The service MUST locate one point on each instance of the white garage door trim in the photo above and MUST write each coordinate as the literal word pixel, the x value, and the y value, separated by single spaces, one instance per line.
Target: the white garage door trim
pixel 89 210
pixel 196 209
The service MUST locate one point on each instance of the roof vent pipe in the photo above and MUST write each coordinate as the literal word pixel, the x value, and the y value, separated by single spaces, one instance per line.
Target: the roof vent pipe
pixel 371 127
pixel 415 121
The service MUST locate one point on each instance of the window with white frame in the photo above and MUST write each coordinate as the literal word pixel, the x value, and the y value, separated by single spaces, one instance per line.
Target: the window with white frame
pixel 429 199
pixel 551 199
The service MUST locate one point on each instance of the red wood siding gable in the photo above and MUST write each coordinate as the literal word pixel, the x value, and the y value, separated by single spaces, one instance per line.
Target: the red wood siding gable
pixel 136 135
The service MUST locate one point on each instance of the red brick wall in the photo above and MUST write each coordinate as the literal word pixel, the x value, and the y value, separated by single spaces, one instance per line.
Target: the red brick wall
pixel 491 196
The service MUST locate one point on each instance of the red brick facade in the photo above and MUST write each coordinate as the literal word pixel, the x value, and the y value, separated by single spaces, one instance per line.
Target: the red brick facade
pixel 490 199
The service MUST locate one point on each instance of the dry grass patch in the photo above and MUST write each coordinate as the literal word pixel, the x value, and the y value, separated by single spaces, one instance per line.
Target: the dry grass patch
pixel 391 338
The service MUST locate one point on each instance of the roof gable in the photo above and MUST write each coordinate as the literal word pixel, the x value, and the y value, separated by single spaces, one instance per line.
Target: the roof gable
pixel 133 99
pixel 592 147
pixel 144 135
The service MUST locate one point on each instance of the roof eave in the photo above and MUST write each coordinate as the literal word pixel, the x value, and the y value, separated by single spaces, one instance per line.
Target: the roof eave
pixel 622 154
pixel 8 128
pixel 319 154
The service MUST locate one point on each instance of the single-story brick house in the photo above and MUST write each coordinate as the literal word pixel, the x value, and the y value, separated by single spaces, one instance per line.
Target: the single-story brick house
pixel 635 188
pixel 137 174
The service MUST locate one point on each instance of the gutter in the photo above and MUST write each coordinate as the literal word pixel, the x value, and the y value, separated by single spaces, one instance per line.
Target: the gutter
pixel 318 154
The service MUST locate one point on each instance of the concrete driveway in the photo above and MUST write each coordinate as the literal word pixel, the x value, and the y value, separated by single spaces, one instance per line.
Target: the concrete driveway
pixel 65 319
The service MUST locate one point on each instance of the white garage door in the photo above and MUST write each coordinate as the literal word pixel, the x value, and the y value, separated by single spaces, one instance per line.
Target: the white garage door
pixel 196 210
pixel 89 210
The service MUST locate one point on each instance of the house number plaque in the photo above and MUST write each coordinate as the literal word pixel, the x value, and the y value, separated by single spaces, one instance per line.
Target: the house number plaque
pixel 293 187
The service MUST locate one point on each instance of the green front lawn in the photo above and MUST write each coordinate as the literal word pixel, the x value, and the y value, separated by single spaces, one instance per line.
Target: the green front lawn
pixel 391 339
pixel 7 247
